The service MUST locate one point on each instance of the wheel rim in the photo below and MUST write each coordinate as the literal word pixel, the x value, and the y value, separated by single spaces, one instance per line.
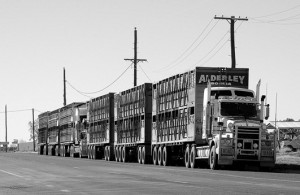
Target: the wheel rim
pixel 159 155
pixel 154 156
pixel 139 155
pixel 143 155
pixel 123 154
pixel 187 157
pixel 165 156
pixel 108 153
pixel 192 157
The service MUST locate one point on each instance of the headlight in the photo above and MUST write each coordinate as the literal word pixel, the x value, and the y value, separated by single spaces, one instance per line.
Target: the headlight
pixel 230 126
pixel 228 141
pixel 239 145
pixel 255 145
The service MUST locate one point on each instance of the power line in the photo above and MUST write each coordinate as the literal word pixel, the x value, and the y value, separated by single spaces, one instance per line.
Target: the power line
pixel 76 89
pixel 220 47
pixel 176 61
pixel 23 110
pixel 145 73
pixel 212 48
pixel 83 93
pixel 276 13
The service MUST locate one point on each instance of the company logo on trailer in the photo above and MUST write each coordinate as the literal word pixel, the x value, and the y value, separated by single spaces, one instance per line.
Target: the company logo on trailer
pixel 222 79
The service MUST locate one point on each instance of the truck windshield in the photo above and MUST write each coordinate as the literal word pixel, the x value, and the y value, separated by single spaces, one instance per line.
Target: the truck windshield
pixel 238 109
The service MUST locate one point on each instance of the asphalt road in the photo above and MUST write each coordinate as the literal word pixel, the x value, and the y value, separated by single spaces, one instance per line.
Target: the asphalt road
pixel 29 173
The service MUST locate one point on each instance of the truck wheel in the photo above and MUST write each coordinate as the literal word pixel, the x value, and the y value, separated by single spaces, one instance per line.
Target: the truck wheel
pixel 159 156
pixel 116 153
pixel 124 159
pixel 108 152
pixel 165 161
pixel 187 157
pixel 154 155
pixel 192 157
pixel 140 155
pixel 213 158
pixel 92 152
pixel 105 153
pixel 120 154
pixel 144 157
pixel 72 151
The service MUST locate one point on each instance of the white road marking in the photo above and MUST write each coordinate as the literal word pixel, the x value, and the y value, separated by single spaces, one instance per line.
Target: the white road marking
pixel 10 173
pixel 65 190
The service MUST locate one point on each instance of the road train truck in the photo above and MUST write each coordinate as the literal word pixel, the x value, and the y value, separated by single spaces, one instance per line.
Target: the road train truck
pixel 100 134
pixel 132 130
pixel 210 115
pixel 71 129
pixel 62 132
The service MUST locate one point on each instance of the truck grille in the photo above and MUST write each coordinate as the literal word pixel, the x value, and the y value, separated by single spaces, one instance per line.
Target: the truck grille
pixel 248 133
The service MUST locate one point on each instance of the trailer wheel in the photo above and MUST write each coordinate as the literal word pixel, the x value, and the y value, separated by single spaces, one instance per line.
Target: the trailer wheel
pixel 213 158
pixel 120 154
pixel 139 155
pixel 105 153
pixel 89 152
pixel 159 156
pixel 108 152
pixel 124 159
pixel 192 157
pixel 187 156
pixel 72 152
pixel 116 153
pixel 165 161
pixel 154 155
pixel 92 152
pixel 143 155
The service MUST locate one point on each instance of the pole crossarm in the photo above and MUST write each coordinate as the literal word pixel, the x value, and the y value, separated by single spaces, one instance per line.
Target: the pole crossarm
pixel 231 18
pixel 138 60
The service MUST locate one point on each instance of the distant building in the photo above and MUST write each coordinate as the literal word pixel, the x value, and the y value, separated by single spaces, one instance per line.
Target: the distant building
pixel 25 147
pixel 289 133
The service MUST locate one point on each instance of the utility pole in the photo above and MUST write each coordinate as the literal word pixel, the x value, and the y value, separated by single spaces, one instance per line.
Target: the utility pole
pixel 135 60
pixel 33 136
pixel 6 128
pixel 65 98
pixel 232 20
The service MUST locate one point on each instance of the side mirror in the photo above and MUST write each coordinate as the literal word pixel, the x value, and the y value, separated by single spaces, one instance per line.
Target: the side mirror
pixel 262 108
pixel 267 111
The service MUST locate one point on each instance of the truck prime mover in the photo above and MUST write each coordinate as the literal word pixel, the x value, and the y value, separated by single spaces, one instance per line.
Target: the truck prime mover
pixel 203 115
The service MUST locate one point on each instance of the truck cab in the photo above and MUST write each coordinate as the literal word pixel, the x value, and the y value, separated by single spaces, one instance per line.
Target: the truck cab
pixel 233 126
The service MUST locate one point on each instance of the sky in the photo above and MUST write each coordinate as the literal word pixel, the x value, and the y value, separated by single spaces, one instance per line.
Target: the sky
pixel 91 38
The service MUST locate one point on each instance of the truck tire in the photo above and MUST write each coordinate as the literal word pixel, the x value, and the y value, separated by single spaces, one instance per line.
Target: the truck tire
pixel 72 152
pixel 105 153
pixel 187 156
pixel 140 155
pixel 165 159
pixel 124 158
pixel 159 156
pixel 92 152
pixel 120 154
pixel 108 152
pixel 116 153
pixel 193 157
pixel 213 158
pixel 154 155
pixel 144 156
